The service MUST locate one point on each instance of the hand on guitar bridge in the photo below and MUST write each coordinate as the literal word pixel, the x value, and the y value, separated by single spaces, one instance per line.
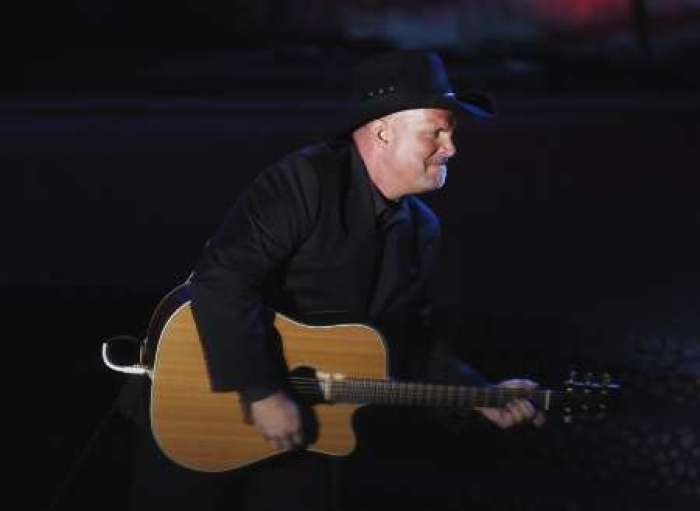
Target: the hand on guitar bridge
pixel 278 419
pixel 516 412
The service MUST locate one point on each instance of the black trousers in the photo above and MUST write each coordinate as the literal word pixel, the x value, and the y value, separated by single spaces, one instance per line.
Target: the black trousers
pixel 294 481
pixel 303 481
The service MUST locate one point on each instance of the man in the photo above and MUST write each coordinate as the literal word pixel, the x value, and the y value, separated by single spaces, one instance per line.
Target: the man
pixel 333 233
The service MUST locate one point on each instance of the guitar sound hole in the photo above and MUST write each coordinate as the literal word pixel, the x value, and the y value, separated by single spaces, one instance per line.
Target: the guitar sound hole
pixel 304 387
pixel 306 391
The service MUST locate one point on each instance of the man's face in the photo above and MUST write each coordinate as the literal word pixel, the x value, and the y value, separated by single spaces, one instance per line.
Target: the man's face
pixel 421 144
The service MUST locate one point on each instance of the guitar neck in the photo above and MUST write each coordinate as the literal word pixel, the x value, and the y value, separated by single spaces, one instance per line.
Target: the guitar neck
pixel 367 391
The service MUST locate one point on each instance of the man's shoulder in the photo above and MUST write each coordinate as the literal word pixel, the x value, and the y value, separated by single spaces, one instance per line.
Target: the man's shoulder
pixel 307 172
pixel 323 155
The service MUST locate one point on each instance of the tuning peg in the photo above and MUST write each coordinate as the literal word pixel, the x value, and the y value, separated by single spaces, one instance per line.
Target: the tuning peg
pixel 606 379
pixel 572 376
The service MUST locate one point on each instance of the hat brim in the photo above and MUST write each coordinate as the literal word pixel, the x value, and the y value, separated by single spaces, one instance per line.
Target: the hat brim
pixel 476 104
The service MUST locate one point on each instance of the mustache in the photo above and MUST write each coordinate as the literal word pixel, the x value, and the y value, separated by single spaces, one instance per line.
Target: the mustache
pixel 438 161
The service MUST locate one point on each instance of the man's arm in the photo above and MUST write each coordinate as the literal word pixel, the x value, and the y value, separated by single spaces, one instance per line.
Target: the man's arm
pixel 445 365
pixel 263 230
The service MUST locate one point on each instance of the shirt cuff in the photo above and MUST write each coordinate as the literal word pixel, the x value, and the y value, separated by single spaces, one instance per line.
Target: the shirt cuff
pixel 253 394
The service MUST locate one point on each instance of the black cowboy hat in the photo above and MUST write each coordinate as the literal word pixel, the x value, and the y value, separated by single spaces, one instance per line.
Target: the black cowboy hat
pixel 404 80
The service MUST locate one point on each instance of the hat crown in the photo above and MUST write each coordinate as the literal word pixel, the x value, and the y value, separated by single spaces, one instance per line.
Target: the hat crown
pixel 402 72
pixel 404 80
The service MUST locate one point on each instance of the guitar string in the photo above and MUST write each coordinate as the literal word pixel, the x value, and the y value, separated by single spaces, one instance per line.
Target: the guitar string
pixel 352 390
pixel 406 391
pixel 314 383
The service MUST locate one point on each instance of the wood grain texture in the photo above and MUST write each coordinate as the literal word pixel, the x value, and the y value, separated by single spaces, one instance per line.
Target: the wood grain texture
pixel 206 431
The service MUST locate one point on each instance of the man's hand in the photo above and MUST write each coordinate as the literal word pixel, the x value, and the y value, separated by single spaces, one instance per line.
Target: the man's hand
pixel 515 412
pixel 278 419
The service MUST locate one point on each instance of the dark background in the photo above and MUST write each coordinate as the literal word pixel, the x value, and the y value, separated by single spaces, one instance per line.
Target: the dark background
pixel 571 222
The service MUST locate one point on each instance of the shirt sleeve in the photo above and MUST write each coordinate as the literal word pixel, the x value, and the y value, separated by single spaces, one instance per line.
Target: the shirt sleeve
pixel 443 364
pixel 261 233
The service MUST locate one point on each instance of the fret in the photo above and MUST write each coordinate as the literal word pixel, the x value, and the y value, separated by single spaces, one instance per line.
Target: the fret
pixel 480 397
pixel 414 394
pixel 457 394
pixel 388 392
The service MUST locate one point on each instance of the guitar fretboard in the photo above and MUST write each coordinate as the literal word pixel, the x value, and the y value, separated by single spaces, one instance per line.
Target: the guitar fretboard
pixel 384 392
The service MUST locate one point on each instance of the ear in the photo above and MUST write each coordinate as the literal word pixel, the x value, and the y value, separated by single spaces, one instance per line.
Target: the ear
pixel 379 128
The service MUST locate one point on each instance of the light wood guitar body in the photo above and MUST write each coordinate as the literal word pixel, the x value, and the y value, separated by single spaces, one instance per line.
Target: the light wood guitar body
pixel 207 431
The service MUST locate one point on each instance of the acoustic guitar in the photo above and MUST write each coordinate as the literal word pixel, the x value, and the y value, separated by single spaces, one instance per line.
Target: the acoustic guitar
pixel 334 370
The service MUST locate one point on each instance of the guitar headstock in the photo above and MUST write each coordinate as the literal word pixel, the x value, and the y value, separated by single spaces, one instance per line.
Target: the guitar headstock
pixel 588 395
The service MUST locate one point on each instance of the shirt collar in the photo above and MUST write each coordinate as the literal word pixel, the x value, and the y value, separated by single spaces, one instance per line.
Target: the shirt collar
pixel 383 207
